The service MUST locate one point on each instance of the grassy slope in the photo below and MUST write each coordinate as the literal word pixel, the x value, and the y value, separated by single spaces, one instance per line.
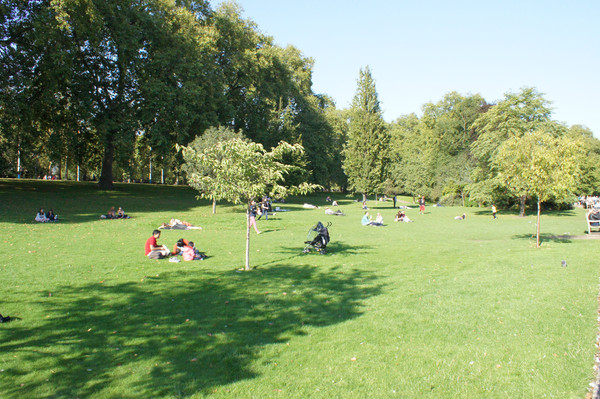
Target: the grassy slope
pixel 434 308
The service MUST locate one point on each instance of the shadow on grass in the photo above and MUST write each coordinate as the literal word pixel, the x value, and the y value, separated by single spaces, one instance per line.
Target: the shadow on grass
pixel 80 202
pixel 332 248
pixel 543 238
pixel 488 212
pixel 174 335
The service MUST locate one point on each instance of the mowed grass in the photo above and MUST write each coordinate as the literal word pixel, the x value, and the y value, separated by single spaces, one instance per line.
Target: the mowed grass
pixel 436 308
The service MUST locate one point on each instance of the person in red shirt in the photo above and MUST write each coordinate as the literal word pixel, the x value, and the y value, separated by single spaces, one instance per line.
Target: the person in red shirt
pixel 153 250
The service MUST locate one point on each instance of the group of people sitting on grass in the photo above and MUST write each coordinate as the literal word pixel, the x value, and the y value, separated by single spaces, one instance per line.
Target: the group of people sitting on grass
pixel 49 216
pixel 183 247
pixel 368 221
pixel 111 214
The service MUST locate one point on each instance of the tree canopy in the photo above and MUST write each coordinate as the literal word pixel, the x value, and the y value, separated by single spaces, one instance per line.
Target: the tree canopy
pixel 108 89
pixel 239 170
pixel 541 165
pixel 366 150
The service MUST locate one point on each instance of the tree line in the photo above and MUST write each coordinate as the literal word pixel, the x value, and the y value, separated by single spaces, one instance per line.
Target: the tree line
pixel 109 88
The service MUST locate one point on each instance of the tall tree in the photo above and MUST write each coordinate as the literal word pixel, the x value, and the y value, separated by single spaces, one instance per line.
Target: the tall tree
pixel 541 165
pixel 515 116
pixel 113 66
pixel 433 151
pixel 366 151
pixel 590 167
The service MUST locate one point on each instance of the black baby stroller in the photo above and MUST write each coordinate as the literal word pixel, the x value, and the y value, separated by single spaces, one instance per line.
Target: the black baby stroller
pixel 317 238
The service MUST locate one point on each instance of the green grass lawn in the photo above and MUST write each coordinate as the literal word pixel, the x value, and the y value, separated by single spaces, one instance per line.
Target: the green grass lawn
pixel 436 308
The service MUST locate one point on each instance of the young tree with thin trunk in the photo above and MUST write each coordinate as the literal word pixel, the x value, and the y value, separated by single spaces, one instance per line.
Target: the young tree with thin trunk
pixel 243 170
pixel 541 165
pixel 206 178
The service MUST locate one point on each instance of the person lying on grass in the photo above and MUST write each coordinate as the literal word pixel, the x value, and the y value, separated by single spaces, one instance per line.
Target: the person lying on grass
pixel 329 211
pixel 153 250
pixel 176 224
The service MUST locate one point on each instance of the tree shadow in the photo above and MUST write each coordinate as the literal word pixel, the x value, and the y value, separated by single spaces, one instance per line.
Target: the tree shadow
pixel 544 237
pixel 81 202
pixel 334 247
pixel 515 213
pixel 174 335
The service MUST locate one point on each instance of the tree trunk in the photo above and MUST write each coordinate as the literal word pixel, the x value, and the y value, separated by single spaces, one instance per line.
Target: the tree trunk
pixel 106 176
pixel 364 197
pixel 522 201
pixel 18 162
pixel 537 243
pixel 247 265
pixel 214 206
pixel 150 167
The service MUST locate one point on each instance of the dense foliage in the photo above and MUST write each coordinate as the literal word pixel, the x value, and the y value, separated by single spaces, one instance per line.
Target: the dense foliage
pixel 107 90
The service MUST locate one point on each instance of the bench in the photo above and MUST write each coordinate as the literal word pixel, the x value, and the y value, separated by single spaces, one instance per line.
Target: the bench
pixel 592 224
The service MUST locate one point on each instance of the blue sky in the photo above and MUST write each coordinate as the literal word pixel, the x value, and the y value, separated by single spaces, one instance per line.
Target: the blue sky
pixel 420 50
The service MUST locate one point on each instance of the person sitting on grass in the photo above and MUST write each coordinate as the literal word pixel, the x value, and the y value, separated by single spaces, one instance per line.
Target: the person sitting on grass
pixel 366 220
pixel 401 217
pixel 51 216
pixel 121 214
pixel 191 253
pixel 153 250
pixel 41 216
pixel 463 217
pixel 378 220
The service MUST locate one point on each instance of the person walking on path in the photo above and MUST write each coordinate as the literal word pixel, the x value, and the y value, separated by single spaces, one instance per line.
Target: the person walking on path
pixel 494 211
pixel 422 205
